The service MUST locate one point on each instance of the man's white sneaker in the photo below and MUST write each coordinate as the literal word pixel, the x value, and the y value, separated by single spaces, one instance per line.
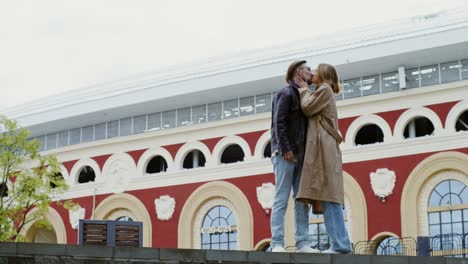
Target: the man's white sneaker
pixel 278 249
pixel 307 249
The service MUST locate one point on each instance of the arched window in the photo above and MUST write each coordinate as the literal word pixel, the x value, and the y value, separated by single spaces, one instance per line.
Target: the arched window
pixel 448 215
pixel 3 190
pixel 194 159
pixel 124 218
pixel 156 165
pixel 419 127
pixel 389 246
pixel 232 154
pixel 56 177
pixel 369 134
pixel 86 175
pixel 462 122
pixel 267 151
pixel 318 236
pixel 44 235
pixel 219 229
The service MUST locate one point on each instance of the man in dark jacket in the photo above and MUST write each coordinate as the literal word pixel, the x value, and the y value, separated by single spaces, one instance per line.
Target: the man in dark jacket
pixel 288 133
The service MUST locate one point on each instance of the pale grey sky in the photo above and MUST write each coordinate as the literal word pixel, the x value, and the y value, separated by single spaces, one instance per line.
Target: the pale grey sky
pixel 49 47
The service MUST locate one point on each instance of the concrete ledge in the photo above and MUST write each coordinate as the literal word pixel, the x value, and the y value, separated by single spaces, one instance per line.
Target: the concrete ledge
pixel 22 253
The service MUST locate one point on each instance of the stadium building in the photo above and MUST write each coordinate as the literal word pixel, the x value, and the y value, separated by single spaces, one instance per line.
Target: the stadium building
pixel 186 151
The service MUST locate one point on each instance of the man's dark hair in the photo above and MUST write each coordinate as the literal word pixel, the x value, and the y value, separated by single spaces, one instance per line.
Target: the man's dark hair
pixel 292 70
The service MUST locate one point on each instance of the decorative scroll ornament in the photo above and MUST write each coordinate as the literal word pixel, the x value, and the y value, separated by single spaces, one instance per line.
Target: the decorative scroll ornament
pixel 383 182
pixel 165 206
pixel 265 196
pixel 118 175
pixel 74 215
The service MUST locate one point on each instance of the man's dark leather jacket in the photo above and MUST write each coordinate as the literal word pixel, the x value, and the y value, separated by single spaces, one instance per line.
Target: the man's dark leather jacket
pixel 288 123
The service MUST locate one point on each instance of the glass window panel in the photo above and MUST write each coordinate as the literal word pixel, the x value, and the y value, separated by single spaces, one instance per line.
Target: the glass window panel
pixel 352 88
pixel 434 230
pixel 41 140
pixel 457 216
pixel 215 111
pixel 87 134
pixel 231 109
pixel 339 96
pixel 464 197
pixel 263 103
pixel 465 215
pixel 450 71
pixel 154 121
pixel 412 78
pixel 446 228
pixel 139 124
pixel 169 119
pixel 223 246
pixel 247 106
pixel 199 114
pixel 214 246
pixel 113 129
pixel 215 238
pixel 51 141
pixel 445 217
pixel 434 218
pixel 100 131
pixel 205 238
pixel 464 69
pixel 429 75
pixel 390 82
pixel 454 199
pixel 443 188
pixel 223 237
pixel 445 200
pixel 62 139
pixel 125 126
pixel 184 117
pixel 434 199
pixel 456 187
pixel 75 136
pixel 233 245
pixel 370 85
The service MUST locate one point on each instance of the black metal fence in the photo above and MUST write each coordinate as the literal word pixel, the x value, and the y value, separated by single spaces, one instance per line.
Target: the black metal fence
pixel 447 245
pixel 389 246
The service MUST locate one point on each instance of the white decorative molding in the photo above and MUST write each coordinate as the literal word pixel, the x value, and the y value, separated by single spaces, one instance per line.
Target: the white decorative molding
pixel 361 121
pixel 266 195
pixel 453 115
pixel 75 172
pixel 151 153
pixel 74 215
pixel 383 182
pixel 165 207
pixel 262 142
pixel 227 141
pixel 190 146
pixel 117 172
pixel 425 192
pixel 412 113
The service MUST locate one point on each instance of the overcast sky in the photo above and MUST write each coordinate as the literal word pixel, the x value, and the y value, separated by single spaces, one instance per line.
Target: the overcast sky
pixel 49 47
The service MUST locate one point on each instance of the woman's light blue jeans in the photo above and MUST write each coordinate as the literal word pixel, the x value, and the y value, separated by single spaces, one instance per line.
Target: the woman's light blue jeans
pixel 288 176
pixel 335 225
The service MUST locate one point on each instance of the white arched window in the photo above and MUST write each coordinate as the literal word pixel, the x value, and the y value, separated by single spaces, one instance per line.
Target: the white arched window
pixel 219 229
pixel 448 215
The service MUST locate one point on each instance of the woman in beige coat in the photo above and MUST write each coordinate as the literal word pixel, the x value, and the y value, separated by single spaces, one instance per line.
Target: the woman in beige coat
pixel 322 176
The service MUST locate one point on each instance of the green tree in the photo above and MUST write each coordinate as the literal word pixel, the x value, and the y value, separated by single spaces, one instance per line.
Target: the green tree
pixel 28 180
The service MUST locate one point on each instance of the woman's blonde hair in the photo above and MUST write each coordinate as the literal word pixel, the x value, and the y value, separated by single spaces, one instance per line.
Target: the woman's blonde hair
pixel 326 73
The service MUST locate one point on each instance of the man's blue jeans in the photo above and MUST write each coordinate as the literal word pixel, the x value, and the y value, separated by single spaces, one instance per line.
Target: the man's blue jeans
pixel 335 225
pixel 288 176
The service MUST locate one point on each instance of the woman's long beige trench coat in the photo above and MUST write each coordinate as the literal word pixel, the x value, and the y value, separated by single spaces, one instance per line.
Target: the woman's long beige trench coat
pixel 322 174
